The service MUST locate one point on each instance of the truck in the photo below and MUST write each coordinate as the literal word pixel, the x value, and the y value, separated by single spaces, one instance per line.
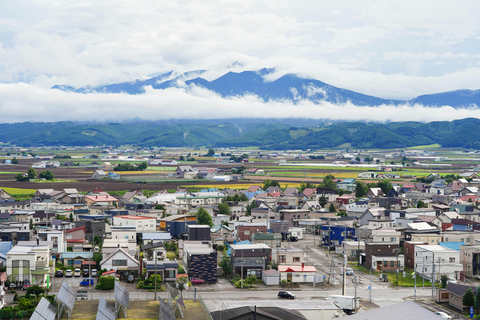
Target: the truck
pixel 347 303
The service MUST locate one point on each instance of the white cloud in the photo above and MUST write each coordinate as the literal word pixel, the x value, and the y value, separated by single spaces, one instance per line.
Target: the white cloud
pixel 24 102
pixel 387 49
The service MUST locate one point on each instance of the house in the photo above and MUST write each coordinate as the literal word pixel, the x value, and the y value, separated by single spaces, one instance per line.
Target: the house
pixel 470 258
pixel 271 277
pixel 455 295
pixel 288 256
pixel 183 170
pixel 261 313
pixel 382 256
pixel 222 232
pixel 297 274
pixel 30 262
pixel 101 199
pixel 75 236
pixel 141 224
pixel 252 258
pixel 246 230
pixel 98 174
pixel 167 269
pixel 293 216
pixel 334 235
pixel 122 262
pixel 272 240
pixel 200 260
pixel 374 192
pixel 409 252
pixel 5 195
pixel 444 260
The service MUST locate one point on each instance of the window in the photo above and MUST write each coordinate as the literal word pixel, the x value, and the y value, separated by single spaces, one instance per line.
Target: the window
pixel 259 261
pixel 247 232
pixel 452 260
pixel 393 239
pixel 462 240
pixel 385 263
pixel 393 263
pixel 119 263
pixel 468 239
pixel 296 259
pixel 282 259
pixel 444 295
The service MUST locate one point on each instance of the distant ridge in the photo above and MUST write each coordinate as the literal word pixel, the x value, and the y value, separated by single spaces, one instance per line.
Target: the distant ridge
pixel 289 87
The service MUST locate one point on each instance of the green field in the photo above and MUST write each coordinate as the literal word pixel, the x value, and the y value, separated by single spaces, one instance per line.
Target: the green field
pixel 430 146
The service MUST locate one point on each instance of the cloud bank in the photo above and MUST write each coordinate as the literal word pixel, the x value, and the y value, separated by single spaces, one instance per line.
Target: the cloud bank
pixel 22 102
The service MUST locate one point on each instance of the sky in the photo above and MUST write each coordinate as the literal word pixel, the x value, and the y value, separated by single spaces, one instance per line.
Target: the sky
pixel 392 50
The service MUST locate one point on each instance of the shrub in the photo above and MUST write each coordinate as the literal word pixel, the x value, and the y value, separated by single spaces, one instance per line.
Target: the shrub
pixel 24 303
pixel 140 284
pixel 105 283
pixel 15 297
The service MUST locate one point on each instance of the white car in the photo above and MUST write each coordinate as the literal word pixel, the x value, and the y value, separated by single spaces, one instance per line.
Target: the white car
pixel 77 272
pixel 451 280
pixel 68 273
pixel 443 315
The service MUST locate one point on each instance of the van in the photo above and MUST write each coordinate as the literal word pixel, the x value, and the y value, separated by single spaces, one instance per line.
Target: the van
pixel 77 272
pixel 94 272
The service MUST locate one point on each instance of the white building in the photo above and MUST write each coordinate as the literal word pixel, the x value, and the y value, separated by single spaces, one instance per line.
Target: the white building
pixel 56 237
pixel 386 235
pixel 30 262
pixel 443 260
pixel 142 224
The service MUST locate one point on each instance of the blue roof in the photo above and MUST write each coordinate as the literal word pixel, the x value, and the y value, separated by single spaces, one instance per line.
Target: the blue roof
pixel 5 246
pixel 452 245
pixel 229 250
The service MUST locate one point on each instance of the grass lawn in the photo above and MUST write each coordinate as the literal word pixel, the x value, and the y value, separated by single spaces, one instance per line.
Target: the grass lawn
pixel 14 191
pixel 54 180
pixel 407 281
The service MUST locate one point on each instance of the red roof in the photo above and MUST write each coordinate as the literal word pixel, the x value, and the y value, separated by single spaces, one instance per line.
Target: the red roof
pixel 76 229
pixel 308 192
pixel 297 269
pixel 253 188
pixel 101 198
pixel 466 198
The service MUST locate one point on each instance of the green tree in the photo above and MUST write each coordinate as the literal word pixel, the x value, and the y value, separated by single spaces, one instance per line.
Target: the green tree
pixel 223 208
pixel 70 217
pixel 203 217
pixel 332 208
pixel 181 284
pixel 443 280
pixel 270 183
pixel 477 299
pixel 96 240
pixel 250 207
pixel 329 183
pixel 47 175
pixel 31 174
pixel 14 160
pixel 323 200
pixel 97 257
pixel 210 152
pixel 142 166
pixel 31 224
pixel 421 204
pixel 385 185
pixel 360 189
pixel 36 290
pixel 468 299
pixel 225 263
pixel 105 283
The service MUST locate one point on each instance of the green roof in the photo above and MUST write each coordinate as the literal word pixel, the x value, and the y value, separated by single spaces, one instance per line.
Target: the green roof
pixel 267 236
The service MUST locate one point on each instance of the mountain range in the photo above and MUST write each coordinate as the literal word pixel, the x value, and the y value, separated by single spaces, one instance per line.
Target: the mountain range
pixel 289 87
pixel 272 134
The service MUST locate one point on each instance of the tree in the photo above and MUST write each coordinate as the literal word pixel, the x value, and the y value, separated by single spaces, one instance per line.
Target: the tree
pixel 47 175
pixel 31 224
pixel 332 208
pixel 385 185
pixel 70 217
pixel 223 208
pixel 468 299
pixel 96 240
pixel 210 152
pixel 14 160
pixel 181 282
pixel 36 290
pixel 142 166
pixel 329 183
pixel 225 263
pixel 31 173
pixel 250 207
pixel 270 183
pixel 360 189
pixel 323 200
pixel 421 204
pixel 477 299
pixel 443 280
pixel 203 217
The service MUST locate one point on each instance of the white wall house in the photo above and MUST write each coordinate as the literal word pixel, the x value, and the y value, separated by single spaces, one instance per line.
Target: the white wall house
pixel 142 224
pixel 30 262
pixel 386 235
pixel 122 262
pixel 300 273
pixel 56 237
pixel 444 260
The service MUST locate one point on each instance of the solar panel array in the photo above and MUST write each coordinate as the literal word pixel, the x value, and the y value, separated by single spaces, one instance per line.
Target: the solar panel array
pixel 105 312
pixel 67 295
pixel 121 295
pixel 166 311
pixel 174 293
pixel 44 311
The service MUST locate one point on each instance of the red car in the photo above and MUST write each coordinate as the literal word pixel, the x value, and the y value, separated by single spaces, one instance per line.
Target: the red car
pixel 197 281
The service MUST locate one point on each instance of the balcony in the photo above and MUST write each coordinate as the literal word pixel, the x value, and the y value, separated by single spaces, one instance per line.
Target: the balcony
pixel 40 271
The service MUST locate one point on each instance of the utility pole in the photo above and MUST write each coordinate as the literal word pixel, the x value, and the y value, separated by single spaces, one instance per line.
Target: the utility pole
pixel 370 288
pixel 355 282
pixel 156 275
pixel 242 269
pixel 433 276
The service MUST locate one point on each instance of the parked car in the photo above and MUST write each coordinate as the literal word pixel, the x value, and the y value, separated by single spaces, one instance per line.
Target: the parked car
pixel 12 285
pixel 26 285
pixel 443 315
pixel 94 273
pixel 349 271
pixel 131 278
pixel 59 273
pixel 293 239
pixel 451 280
pixel 87 282
pixel 197 280
pixel 77 273
pixel 286 295
pixel 86 273
pixel 69 273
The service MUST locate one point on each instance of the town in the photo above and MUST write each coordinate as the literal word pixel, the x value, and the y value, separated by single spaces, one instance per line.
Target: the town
pixel 235 231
